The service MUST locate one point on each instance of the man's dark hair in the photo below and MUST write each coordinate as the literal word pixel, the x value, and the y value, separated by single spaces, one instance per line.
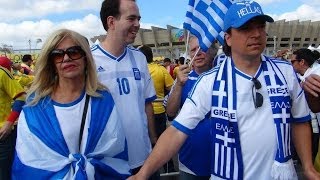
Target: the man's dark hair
pixel 309 56
pixel 26 58
pixel 181 60
pixel 167 60
pixel 147 51
pixel 226 49
pixel 109 8
pixel 316 54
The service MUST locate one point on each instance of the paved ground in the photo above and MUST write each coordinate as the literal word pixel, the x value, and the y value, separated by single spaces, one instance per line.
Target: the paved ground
pixel 175 175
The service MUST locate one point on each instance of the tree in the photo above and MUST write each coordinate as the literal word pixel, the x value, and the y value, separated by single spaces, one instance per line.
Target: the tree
pixel 6 48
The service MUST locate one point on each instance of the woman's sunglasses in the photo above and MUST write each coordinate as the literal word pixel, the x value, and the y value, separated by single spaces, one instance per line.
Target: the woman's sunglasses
pixel 74 53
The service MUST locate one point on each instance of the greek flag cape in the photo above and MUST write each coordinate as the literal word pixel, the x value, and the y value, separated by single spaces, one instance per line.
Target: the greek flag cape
pixel 42 152
pixel 227 159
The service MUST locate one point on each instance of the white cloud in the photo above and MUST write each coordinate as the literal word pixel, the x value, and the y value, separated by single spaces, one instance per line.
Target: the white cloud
pixel 312 2
pixel 21 9
pixel 89 26
pixel 266 2
pixel 148 25
pixel 303 12
pixel 16 31
pixel 19 34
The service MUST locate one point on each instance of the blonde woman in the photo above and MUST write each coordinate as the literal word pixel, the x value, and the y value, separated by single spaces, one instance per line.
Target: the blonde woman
pixel 69 128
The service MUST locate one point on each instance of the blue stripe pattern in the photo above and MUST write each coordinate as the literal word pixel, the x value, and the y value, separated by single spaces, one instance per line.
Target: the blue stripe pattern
pixel 43 123
pixel 21 170
pixel 227 158
pixel 205 18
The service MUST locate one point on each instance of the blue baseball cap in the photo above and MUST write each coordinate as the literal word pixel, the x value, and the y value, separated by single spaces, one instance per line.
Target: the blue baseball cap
pixel 241 12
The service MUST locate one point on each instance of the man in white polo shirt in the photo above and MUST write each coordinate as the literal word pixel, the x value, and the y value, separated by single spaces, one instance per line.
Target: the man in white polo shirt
pixel 255 103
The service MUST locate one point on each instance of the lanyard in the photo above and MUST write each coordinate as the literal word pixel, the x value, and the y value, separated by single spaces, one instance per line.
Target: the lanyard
pixel 84 115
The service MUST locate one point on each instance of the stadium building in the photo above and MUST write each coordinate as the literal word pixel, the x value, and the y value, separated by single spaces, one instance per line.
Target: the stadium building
pixel 282 34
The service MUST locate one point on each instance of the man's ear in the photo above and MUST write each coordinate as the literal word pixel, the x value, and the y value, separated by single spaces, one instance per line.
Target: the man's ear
pixel 110 22
pixel 302 62
pixel 227 37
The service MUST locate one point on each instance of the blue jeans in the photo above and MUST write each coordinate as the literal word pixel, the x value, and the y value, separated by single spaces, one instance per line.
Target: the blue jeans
pixel 7 147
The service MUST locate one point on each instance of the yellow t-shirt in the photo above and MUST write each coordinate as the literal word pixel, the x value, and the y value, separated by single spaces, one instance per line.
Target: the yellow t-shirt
pixel 23 79
pixel 9 89
pixel 175 72
pixel 161 80
pixel 317 160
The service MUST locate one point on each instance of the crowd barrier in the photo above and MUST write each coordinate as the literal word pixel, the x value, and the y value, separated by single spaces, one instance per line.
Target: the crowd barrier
pixel 14 57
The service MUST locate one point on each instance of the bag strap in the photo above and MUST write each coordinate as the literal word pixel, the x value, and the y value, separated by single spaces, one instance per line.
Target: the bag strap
pixel 84 115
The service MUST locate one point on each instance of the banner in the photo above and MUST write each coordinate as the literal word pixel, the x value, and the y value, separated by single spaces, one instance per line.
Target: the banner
pixel 14 57
pixel 177 35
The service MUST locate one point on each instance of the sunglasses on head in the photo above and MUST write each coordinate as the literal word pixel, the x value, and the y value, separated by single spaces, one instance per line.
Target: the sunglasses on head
pixel 74 53
pixel 257 97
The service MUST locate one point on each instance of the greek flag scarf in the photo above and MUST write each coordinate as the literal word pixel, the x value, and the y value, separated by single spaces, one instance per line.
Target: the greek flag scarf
pixel 227 159
pixel 42 152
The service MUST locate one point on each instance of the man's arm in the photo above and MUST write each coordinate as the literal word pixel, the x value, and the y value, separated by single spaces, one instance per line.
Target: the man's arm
pixel 313 102
pixel 168 81
pixel 17 105
pixel 13 90
pixel 167 146
pixel 174 100
pixel 301 133
pixel 151 124
pixel 311 86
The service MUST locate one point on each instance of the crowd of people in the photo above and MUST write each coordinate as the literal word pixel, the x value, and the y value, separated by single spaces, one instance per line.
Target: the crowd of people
pixel 110 112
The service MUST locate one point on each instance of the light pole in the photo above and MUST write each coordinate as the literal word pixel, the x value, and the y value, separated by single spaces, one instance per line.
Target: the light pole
pixel 274 44
pixel 37 42
pixel 29 45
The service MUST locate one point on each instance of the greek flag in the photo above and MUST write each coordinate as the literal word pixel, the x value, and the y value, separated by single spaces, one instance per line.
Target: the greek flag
pixel 204 19
pixel 42 151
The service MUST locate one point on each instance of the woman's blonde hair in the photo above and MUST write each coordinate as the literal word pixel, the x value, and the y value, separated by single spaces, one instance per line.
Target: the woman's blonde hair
pixel 46 78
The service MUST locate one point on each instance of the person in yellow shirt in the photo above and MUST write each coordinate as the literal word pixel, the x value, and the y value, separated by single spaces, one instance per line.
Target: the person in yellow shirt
pixel 24 80
pixel 162 81
pixel 26 64
pixel 169 66
pixel 12 98
pixel 176 69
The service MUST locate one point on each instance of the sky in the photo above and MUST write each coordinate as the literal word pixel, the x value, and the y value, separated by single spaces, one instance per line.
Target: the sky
pixel 24 21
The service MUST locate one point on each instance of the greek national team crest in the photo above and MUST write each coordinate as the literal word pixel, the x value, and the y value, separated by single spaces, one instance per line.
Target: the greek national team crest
pixel 227 158
pixel 136 73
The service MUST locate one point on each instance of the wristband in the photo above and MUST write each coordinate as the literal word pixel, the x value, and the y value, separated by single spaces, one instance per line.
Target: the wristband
pixel 13 116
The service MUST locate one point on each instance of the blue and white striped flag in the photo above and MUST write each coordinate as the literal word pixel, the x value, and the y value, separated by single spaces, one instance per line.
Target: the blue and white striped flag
pixel 204 19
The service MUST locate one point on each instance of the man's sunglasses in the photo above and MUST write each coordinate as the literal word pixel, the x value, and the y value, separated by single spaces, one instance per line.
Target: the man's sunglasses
pixel 294 60
pixel 257 97
pixel 74 53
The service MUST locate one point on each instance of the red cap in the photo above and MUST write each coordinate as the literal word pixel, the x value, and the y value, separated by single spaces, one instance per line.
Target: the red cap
pixel 5 62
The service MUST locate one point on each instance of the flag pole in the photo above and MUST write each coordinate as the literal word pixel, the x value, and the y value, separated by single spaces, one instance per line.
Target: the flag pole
pixel 187 44
pixel 190 64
